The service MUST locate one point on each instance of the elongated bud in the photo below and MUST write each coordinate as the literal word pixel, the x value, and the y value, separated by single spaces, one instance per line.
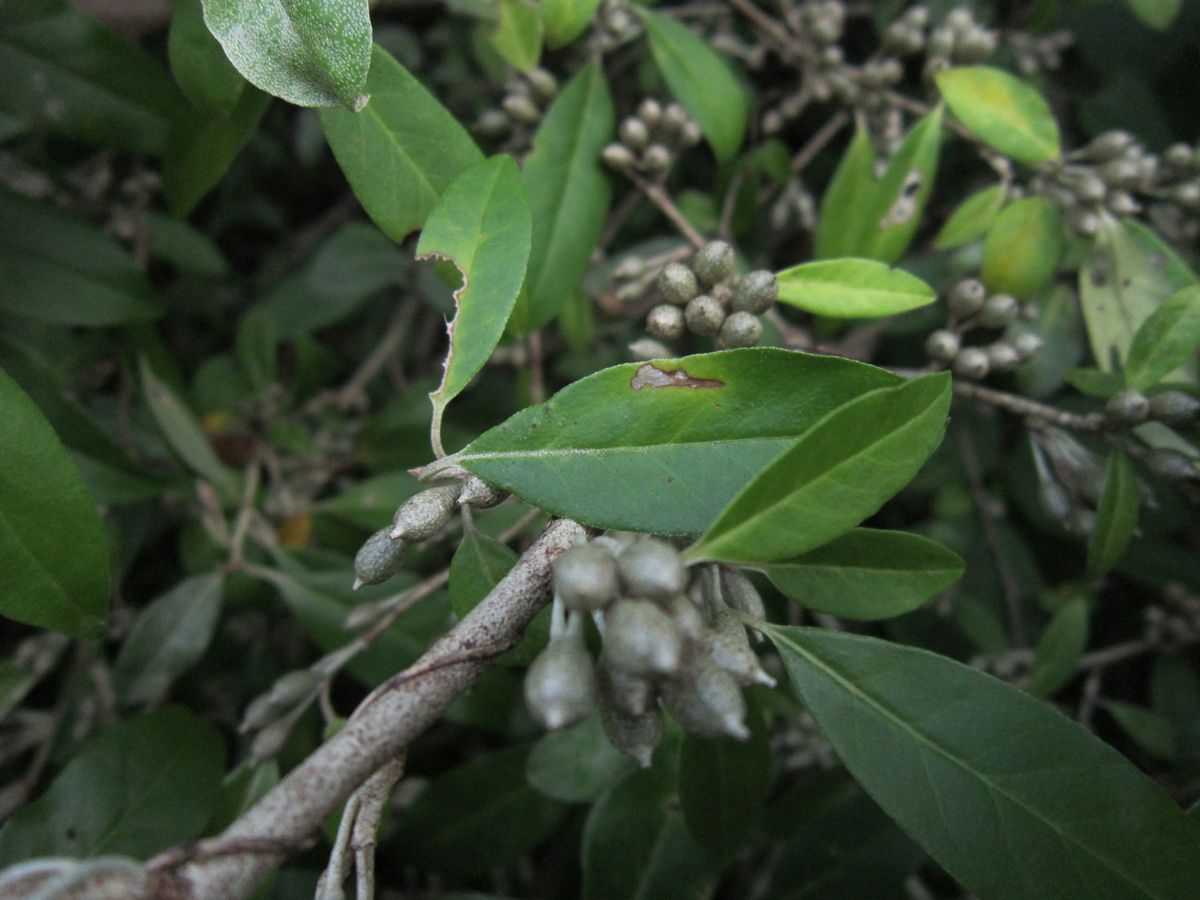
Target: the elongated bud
pixel 1002 357
pixel 1172 464
pixel 652 568
pixel 635 736
pixel 706 700
pixel 632 695
pixel 619 157
pixel 522 109
pixel 1174 408
pixel 687 616
pixel 729 648
pixel 644 349
pixel 1125 409
pixel 270 740
pixel 650 112
pixel 285 693
pixel 478 494
pixel 1108 145
pixel 741 594
pixel 560 686
pixel 641 639
pixel 423 515
pixel 378 559
pixel 544 85
pixel 1055 501
pixel 585 577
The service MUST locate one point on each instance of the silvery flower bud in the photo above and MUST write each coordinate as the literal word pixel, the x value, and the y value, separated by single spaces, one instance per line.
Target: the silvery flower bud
pixel 378 559
pixel 687 616
pixel 729 647
pixel 1027 344
pixel 619 157
pixel 657 159
pixel 941 42
pixel 704 315
pixel 706 700
pixel 1174 408
pixel 585 577
pixel 1186 194
pixel 1002 357
pixel 967 298
pixel 741 329
pixel 971 363
pixel 635 736
pixel 1125 409
pixel 544 85
pixel 1108 146
pixel 1084 222
pixel 1122 173
pixel 942 345
pixel 741 594
pixel 652 568
pixel 755 292
pixel 650 112
pixel 691 134
pixel 665 322
pixel 1122 203
pixel 641 639
pixel 999 310
pixel 521 109
pixel 560 686
pixel 674 119
pixel 478 494
pixel 283 696
pixel 713 262
pixel 634 133
pixel 1172 465
pixel 1090 188
pixel 677 283
pixel 493 123
pixel 423 515
pixel 632 695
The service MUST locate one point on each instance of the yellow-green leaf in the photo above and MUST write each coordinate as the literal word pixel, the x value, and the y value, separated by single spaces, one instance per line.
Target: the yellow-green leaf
pixel 1002 111
pixel 1022 247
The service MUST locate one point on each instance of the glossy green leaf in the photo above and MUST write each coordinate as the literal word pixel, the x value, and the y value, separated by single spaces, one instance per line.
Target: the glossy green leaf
pixel 482 225
pixel 308 52
pixel 1022 247
pixel 1095 383
pixel 199 65
pixel 852 288
pixel 66 74
pixel 59 270
pixel 401 151
pixel 569 194
pixel 701 80
pixel 635 842
pixel 54 550
pixel 722 787
pixel 184 247
pixel 1013 799
pixel 577 764
pixel 138 788
pixel 1158 14
pixel 477 566
pixel 184 434
pixel 848 194
pixel 1004 112
pixel 664 446
pixel 565 20
pixel 1129 273
pixel 371 503
pixel 1116 517
pixel 169 636
pixel 1152 732
pixel 1059 650
pixel 518 33
pixel 867 574
pixel 1168 338
pixel 971 219
pixel 838 473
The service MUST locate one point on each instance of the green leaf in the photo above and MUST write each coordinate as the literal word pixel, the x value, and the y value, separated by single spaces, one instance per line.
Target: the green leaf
pixel 867 574
pixel 184 247
pixel 59 270
pixel 664 446
pixel 199 65
pixel 636 845
pixel 518 33
pixel 184 433
pixel 1013 799
pixel 1158 14
pixel 138 788
pixel 838 473
pixel 201 148
pixel 477 566
pixel 722 787
pixel 569 194
pixel 701 80
pixel 1116 517
pixel 307 52
pixel 565 20
pixel 971 219
pixel 1022 247
pixel 169 636
pixel 1002 111
pixel 54 550
pixel 848 194
pixel 852 288
pixel 577 764
pixel 1094 383
pixel 1059 650
pixel 371 503
pixel 1167 339
pixel 1152 732
pixel 401 151
pixel 65 74
pixel 1128 275
pixel 482 225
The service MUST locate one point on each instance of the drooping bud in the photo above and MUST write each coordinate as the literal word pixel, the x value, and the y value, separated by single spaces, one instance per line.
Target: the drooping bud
pixel 713 262
pixel 585 577
pixel 632 695
pixel 560 686
pixel 652 568
pixel 641 639
pixel 1172 465
pixel 423 515
pixel 706 700
pixel 478 494
pixel 1174 408
pixel 1125 409
pixel 687 617
pixel 755 292
pixel 635 736
pixel 729 648
pixel 378 559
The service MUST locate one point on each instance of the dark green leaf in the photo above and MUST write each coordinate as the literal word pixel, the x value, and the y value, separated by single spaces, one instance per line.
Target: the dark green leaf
pixel 371 503
pixel 971 219
pixel 518 34
pixel 1116 517
pixel 1167 339
pixel 838 473
pixel 867 574
pixel 1022 247
pixel 566 20
pixel 664 446
pixel 1060 648
pixel 1003 111
pixel 401 151
pixel 852 288
pixel 1152 732
pixel 1010 797
pixel 54 550
pixel 478 565
pixel 138 788
pixel 577 764
pixel 199 65
pixel 848 194
pixel 188 249
pixel 1158 14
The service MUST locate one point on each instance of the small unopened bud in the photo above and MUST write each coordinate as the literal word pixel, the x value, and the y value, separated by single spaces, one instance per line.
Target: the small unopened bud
pixel 521 109
pixel 1090 188
pixel 478 494
pixel 999 310
pixel 741 594
pixel 971 363
pixel 585 577
pixel 741 329
pixel 967 297
pixel 270 740
pixel 674 119
pixel 1174 408
pixel 1172 465
pixel 1002 357
pixel 1082 521
pixel 378 559
pixel 1121 173
pixel 641 639
pixel 1186 194
pixel 423 515
pixel 729 648
pixel 634 133
pixel 635 735
pixel 560 686
pixel 657 159
pixel 1122 203
pixel 287 691
pixel 650 112
pixel 619 157
pixel 691 134
pixel 665 322
pixel 713 262
pixel 1027 344
pixel 704 315
pixel 652 568
pixel 942 345
pixel 677 283
pixel 633 695
pixel 706 700
pixel 687 616
pixel 1125 409
pixel 493 123
pixel 1109 145
pixel 755 292
pixel 544 85
pixel 1055 501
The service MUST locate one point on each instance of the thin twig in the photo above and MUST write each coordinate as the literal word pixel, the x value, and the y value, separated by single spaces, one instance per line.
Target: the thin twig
pixel 815 144
pixel 659 197
pixel 1029 408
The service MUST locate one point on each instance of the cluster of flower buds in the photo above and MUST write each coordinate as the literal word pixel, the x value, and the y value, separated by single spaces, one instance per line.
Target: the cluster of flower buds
pixel 959 41
pixel 906 35
pixel 1039 52
pixel 1175 623
pixel 1128 409
pixel 651 140
pixel 664 640
pixel 419 518
pixel 817 27
pixel 614 25
pixel 526 97
pixel 705 299
pixel 971 307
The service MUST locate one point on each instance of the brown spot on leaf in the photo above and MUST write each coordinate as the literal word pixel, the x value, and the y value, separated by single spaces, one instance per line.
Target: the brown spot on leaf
pixel 650 375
